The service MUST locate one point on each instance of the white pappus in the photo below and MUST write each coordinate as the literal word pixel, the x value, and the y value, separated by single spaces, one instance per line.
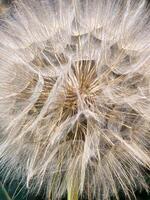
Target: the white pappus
pixel 75 96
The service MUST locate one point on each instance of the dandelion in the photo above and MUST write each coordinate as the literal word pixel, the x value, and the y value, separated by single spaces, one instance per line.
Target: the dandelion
pixel 75 96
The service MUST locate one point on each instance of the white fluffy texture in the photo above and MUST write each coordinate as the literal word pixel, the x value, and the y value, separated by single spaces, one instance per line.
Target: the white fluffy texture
pixel 75 95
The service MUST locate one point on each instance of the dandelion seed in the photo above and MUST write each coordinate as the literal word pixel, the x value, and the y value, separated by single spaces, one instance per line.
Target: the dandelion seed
pixel 74 95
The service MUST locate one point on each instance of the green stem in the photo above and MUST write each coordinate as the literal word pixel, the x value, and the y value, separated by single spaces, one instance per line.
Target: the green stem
pixel 3 193
pixel 72 193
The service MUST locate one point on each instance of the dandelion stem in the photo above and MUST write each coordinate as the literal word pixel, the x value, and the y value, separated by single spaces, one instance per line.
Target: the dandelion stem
pixel 4 193
pixel 72 193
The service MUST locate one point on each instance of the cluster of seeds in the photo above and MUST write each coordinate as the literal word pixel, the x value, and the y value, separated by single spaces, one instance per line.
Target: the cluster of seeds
pixel 75 90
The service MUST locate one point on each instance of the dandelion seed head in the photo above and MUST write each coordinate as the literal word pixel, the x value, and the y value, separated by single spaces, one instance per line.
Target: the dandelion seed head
pixel 74 95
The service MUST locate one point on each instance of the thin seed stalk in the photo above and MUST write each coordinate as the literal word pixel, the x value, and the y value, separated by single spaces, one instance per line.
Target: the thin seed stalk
pixel 72 193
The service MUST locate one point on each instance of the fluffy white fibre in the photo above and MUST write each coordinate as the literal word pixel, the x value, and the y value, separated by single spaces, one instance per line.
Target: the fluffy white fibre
pixel 75 95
